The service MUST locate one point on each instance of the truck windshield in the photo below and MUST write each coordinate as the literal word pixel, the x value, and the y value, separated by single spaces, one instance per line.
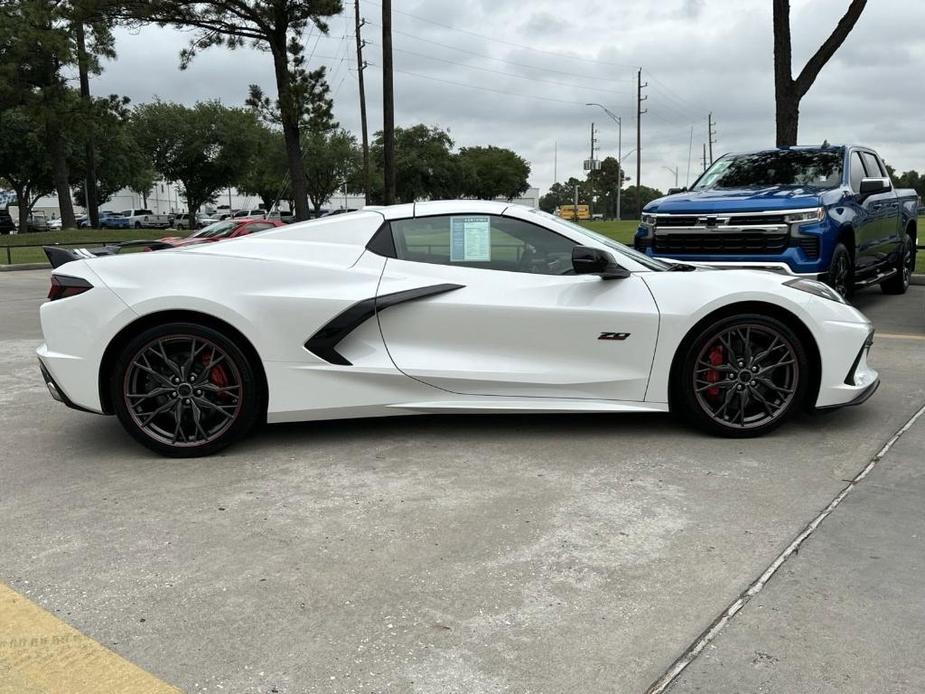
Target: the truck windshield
pixel 789 167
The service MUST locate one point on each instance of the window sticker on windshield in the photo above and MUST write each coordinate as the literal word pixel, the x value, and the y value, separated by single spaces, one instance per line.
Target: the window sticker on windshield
pixel 470 239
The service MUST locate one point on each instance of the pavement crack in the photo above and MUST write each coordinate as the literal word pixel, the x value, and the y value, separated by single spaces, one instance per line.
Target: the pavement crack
pixel 667 678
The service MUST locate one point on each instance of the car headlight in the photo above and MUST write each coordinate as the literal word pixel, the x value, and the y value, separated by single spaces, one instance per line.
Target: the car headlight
pixel 648 219
pixel 816 215
pixel 819 289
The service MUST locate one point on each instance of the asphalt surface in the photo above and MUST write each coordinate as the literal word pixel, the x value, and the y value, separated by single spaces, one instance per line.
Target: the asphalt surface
pixel 476 554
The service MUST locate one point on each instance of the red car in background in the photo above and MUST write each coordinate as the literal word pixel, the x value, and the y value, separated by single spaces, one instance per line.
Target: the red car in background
pixel 226 229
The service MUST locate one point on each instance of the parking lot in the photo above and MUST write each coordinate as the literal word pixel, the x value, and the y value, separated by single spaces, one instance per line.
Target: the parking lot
pixel 551 553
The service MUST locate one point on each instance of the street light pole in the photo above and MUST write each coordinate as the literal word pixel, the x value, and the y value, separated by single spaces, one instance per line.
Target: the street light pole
pixel 619 121
pixel 675 172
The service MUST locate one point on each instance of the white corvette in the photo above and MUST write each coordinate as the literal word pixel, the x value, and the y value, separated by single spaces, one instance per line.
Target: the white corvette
pixel 458 306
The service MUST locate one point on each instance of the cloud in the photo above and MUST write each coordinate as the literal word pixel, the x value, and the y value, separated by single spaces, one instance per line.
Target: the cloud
pixel 515 75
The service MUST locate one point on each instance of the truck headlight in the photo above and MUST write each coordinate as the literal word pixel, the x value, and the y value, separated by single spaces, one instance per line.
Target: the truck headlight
pixel 648 219
pixel 816 215
pixel 823 291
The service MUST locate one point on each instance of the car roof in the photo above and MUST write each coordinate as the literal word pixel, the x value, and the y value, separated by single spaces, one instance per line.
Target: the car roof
pixel 439 207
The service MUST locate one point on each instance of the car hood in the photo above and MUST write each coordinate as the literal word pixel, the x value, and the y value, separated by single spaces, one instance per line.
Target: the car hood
pixel 741 200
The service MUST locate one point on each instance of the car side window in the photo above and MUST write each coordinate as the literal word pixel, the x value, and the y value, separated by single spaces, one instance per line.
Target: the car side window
pixel 489 242
pixel 857 171
pixel 873 167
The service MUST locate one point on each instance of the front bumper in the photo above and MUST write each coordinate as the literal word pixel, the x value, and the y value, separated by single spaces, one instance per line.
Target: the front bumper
pixel 846 382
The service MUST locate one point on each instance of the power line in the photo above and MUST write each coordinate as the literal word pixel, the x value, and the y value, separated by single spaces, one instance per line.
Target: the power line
pixel 506 43
pixel 415 37
pixel 484 89
pixel 508 74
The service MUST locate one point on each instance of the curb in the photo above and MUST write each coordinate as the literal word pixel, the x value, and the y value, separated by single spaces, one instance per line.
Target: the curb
pixel 35 266
pixel 918 279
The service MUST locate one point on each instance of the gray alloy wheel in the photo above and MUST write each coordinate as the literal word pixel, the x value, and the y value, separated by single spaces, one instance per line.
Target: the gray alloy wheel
pixel 185 390
pixel 742 376
pixel 182 390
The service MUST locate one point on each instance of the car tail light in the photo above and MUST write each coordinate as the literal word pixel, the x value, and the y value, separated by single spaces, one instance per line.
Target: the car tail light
pixel 63 286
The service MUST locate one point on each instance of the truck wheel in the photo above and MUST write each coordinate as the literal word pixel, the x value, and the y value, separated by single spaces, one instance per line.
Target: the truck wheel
pixel 905 264
pixel 841 271
pixel 138 225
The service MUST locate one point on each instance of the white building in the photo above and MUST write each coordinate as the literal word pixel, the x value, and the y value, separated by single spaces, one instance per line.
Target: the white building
pixel 167 198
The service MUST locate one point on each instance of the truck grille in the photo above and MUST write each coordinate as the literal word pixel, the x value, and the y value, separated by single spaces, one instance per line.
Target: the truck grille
pixel 718 243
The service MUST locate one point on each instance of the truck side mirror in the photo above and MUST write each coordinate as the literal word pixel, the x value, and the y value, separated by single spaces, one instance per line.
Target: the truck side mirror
pixel 675 191
pixel 593 261
pixel 874 186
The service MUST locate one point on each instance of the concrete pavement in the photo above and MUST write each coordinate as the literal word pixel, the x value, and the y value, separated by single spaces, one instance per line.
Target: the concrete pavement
pixel 429 554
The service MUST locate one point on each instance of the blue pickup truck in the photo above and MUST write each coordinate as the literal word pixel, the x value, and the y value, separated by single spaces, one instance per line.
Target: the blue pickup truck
pixel 826 212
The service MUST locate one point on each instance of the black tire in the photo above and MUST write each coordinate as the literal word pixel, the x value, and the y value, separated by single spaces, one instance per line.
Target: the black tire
pixel 747 380
pixel 840 276
pixel 185 390
pixel 905 266
pixel 138 225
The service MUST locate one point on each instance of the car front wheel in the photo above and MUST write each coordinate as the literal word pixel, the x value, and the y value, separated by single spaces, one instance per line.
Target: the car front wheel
pixel 742 376
pixel 184 390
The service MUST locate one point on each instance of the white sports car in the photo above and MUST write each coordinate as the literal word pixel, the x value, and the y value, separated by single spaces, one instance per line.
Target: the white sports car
pixel 457 306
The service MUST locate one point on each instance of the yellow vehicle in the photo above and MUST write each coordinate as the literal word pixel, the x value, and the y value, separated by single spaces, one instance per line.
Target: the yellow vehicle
pixel 575 212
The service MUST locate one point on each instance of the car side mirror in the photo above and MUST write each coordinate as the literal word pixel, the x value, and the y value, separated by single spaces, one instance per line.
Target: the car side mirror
pixel 675 191
pixel 593 261
pixel 874 186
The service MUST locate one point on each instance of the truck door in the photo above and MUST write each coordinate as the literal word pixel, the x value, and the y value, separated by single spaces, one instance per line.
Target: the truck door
pixel 868 217
pixel 885 208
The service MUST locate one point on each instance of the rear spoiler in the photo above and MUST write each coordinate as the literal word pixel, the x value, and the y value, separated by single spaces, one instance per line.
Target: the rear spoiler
pixel 58 256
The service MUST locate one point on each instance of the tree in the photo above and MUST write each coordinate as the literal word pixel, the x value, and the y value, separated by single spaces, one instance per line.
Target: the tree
pixel 275 26
pixel 205 147
pixel 492 172
pixel 23 160
pixel 266 175
pixel 43 40
pixel 789 91
pixel 424 165
pixel 331 159
pixel 602 186
pixel 95 16
pixel 119 165
pixel 632 195
pixel 563 194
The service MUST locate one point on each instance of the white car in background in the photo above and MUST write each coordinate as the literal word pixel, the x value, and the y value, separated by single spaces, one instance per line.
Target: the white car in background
pixel 457 306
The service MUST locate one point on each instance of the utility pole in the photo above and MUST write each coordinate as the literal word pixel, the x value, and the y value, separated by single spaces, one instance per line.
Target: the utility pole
pixel 361 66
pixel 639 111
pixel 388 104
pixel 690 151
pixel 91 194
pixel 555 162
pixel 711 134
pixel 619 121
pixel 704 156
pixel 590 171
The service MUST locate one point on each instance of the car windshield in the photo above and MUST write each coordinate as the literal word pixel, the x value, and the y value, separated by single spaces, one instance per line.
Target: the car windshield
pixel 815 168
pixel 641 258
pixel 215 230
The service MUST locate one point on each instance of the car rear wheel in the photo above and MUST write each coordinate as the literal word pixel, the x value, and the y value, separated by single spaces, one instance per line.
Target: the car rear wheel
pixel 742 376
pixel 905 266
pixel 184 390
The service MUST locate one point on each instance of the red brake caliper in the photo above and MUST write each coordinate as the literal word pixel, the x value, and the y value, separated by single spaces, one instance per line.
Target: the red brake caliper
pixel 716 358
pixel 217 377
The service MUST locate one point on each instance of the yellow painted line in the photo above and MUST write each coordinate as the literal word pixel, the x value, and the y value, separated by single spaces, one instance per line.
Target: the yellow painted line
pixel 897 336
pixel 40 654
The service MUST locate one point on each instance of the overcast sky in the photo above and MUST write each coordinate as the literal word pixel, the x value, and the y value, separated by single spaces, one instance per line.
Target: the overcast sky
pixel 518 75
